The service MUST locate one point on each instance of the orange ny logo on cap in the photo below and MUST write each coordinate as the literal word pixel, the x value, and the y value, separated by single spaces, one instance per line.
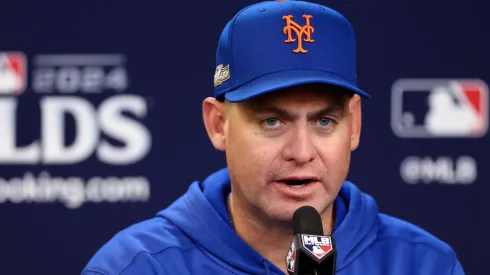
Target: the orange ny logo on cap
pixel 303 33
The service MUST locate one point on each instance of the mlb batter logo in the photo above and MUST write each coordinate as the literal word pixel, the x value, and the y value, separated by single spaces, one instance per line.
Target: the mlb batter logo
pixel 319 246
pixel 436 108
pixel 12 73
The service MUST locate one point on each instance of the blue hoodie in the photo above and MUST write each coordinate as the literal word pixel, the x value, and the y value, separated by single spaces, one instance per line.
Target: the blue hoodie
pixel 194 236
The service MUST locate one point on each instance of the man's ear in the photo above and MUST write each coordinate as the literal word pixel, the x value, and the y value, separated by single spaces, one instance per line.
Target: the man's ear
pixel 355 120
pixel 214 116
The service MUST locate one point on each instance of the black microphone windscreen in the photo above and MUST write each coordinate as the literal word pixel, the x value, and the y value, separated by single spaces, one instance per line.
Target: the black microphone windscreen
pixel 306 220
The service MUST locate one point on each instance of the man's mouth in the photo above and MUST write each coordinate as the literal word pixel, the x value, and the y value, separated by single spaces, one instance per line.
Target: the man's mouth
pixel 298 182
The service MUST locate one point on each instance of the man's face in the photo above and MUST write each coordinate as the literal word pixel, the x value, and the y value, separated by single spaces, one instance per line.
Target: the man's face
pixel 291 148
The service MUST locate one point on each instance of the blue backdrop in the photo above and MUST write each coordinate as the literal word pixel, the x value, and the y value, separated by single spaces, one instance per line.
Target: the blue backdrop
pixel 101 127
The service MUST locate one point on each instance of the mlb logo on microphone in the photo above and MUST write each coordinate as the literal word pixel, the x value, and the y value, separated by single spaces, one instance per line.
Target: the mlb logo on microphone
pixel 439 108
pixel 13 70
pixel 319 246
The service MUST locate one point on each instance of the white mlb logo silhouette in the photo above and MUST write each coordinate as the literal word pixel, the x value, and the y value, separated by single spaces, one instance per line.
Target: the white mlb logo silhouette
pixel 455 108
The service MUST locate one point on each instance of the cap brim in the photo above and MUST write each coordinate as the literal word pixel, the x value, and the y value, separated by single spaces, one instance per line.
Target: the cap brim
pixel 285 79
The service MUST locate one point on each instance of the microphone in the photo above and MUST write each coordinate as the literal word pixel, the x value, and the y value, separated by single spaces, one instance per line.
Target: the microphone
pixel 310 253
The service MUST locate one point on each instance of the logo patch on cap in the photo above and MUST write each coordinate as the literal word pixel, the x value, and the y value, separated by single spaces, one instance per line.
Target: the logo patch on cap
pixel 221 74
pixel 303 33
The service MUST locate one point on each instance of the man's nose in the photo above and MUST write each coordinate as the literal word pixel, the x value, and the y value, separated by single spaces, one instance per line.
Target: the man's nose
pixel 300 147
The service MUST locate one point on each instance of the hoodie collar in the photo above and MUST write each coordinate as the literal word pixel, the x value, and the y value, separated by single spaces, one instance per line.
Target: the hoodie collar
pixel 359 227
pixel 196 216
pixel 202 214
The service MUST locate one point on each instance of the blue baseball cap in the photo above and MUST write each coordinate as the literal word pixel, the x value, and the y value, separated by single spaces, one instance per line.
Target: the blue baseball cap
pixel 274 45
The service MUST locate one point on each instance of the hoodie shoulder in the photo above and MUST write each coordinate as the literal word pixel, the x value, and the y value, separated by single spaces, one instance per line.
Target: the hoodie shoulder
pixel 405 237
pixel 394 228
pixel 145 239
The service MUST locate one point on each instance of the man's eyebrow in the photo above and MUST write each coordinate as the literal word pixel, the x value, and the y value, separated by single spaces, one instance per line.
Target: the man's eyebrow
pixel 271 110
pixel 274 110
pixel 336 109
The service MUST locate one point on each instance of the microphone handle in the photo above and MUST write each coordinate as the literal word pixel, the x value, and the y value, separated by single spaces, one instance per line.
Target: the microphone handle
pixel 315 272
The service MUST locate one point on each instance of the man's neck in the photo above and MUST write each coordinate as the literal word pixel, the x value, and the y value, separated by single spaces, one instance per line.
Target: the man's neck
pixel 270 239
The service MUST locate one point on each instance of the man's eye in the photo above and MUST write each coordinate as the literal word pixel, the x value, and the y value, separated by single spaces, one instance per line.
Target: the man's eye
pixel 272 121
pixel 324 121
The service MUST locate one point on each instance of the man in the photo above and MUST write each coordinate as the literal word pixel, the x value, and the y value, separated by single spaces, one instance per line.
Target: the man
pixel 287 112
